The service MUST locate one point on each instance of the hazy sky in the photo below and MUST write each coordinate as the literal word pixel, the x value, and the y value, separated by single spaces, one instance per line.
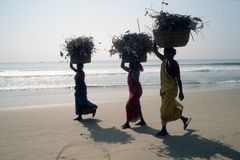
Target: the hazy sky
pixel 33 30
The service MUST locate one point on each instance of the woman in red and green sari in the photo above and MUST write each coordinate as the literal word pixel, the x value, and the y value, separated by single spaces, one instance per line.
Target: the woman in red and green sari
pixel 133 107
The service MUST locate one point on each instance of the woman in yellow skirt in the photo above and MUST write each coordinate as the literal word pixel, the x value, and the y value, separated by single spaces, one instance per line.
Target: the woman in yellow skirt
pixel 171 109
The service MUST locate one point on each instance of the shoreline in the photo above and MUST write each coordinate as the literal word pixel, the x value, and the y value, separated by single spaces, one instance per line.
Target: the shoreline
pixel 49 132
pixel 57 97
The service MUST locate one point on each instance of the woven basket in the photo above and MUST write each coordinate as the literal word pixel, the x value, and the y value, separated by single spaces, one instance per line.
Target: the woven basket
pixel 80 59
pixel 127 59
pixel 171 38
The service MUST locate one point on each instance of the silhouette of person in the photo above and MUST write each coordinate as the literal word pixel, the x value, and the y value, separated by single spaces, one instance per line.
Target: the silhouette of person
pixel 82 104
pixel 171 109
pixel 133 107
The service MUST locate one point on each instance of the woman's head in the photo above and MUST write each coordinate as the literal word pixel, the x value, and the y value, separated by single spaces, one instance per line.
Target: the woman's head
pixel 169 52
pixel 136 65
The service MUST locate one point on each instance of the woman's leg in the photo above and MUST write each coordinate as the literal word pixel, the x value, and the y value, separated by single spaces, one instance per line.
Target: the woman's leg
pixel 126 125
pixel 142 122
pixel 163 131
pixel 185 121
pixel 77 109
pixel 78 118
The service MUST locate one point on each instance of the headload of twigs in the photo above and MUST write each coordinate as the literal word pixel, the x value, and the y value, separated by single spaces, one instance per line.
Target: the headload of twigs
pixel 165 21
pixel 78 46
pixel 132 44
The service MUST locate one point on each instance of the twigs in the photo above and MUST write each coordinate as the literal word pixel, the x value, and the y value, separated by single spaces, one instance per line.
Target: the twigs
pixel 132 44
pixel 165 21
pixel 78 46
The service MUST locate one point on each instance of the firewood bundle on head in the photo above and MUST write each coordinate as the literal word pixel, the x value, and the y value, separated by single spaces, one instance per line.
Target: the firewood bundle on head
pixel 132 46
pixel 173 30
pixel 79 49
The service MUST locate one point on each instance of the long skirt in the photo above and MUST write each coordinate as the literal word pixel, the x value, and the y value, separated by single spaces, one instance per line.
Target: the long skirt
pixel 133 107
pixel 83 105
pixel 171 109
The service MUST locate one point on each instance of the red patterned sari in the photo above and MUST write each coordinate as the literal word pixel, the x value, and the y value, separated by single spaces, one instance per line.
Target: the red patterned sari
pixel 133 107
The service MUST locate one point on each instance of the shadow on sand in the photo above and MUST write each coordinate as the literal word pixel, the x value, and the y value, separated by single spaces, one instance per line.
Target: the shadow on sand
pixel 106 135
pixel 145 130
pixel 98 134
pixel 191 145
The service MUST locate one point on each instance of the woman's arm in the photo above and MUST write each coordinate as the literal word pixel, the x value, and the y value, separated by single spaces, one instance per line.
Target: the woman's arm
pixel 155 50
pixel 178 79
pixel 127 69
pixel 72 67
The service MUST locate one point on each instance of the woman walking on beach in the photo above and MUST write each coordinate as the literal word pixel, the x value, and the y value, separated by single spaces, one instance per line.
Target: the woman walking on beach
pixel 82 105
pixel 171 110
pixel 133 107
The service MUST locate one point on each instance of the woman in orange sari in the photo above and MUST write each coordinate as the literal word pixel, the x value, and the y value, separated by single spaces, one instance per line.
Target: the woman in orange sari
pixel 133 107
pixel 171 109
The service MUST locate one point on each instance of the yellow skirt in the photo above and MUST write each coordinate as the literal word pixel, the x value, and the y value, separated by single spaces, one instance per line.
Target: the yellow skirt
pixel 171 109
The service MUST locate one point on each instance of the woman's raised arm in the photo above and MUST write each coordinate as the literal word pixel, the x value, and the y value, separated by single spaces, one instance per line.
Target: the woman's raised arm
pixel 127 69
pixel 72 67
pixel 155 50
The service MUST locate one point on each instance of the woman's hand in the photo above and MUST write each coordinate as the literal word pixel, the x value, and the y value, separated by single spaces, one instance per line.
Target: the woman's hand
pixel 181 96
pixel 124 67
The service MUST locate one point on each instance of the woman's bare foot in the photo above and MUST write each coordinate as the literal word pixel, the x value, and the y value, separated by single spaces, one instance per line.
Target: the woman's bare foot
pixel 141 123
pixel 79 118
pixel 162 133
pixel 186 123
pixel 126 125
pixel 93 113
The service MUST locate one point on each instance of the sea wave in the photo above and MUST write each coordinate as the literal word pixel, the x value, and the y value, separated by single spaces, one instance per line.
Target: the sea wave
pixel 36 87
pixel 212 82
pixel 228 82
pixel 43 73
pixel 210 69
pixel 38 73
pixel 214 64
pixel 192 82
pixel 106 85
pixel 92 72
pixel 55 76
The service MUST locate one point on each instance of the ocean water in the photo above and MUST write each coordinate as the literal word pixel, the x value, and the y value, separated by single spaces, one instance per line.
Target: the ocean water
pixel 48 78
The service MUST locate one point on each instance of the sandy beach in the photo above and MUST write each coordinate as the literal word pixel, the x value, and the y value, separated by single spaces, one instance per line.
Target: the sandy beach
pixel 52 51
pixel 49 133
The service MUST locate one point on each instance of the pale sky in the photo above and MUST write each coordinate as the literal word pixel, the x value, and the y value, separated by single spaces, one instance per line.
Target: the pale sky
pixel 33 30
